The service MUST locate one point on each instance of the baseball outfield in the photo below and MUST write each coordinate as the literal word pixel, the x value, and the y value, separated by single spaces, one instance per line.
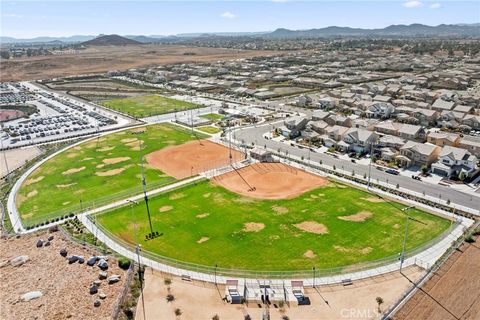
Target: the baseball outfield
pixel 271 224
pixel 108 167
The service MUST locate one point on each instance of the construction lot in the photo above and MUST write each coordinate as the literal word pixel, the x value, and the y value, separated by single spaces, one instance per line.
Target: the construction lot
pixel 452 293
pixel 199 300
pixel 103 59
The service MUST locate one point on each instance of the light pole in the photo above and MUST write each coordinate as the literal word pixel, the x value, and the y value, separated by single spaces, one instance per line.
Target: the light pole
pixel 314 269
pixel 134 220
pixel 137 251
pixel 402 255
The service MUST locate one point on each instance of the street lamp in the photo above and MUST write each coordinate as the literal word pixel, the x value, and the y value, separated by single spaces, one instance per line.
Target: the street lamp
pixel 402 255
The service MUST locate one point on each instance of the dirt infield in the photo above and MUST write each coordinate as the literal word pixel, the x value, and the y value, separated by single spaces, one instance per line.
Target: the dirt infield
pixel 191 158
pixel 270 181
pixel 453 292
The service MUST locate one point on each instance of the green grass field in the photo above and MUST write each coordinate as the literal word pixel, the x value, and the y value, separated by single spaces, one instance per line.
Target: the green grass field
pixel 149 105
pixel 204 224
pixel 209 129
pixel 212 116
pixel 98 169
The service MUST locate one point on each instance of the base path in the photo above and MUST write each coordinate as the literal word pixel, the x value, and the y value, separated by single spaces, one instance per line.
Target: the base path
pixel 192 158
pixel 270 181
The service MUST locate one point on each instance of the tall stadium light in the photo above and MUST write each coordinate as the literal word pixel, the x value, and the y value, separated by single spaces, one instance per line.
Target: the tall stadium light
pixel 402 255
pixel 144 186
pixel 134 220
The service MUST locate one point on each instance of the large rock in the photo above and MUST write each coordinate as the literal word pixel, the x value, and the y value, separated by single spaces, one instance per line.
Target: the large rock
pixel 113 279
pixel 102 275
pixel 97 303
pixel 47 244
pixel 63 252
pixel 72 259
pixel 102 295
pixel 50 238
pixel 39 243
pixel 31 295
pixel 18 261
pixel 102 264
pixel 93 289
pixel 81 259
pixel 92 260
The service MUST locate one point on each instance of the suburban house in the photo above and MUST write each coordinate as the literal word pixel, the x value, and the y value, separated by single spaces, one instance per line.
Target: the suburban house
pixel 336 132
pixel 471 144
pixel 473 121
pixel 418 154
pixel 403 130
pixel 360 140
pixel 319 126
pixel 327 103
pixel 426 117
pixel 335 119
pixel 443 139
pixel 452 161
pixel 391 141
pixel 442 105
pixel 320 115
pixel 380 110
pixel 293 126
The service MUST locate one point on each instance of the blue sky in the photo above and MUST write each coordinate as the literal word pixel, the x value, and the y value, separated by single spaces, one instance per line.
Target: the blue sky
pixel 24 19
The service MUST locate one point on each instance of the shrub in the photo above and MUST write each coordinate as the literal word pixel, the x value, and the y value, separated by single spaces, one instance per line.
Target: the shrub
pixel 124 263
pixel 170 297
pixel 216 317
pixel 167 281
pixel 178 312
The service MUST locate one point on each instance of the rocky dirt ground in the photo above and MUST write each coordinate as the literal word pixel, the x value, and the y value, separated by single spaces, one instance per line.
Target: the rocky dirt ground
pixel 65 287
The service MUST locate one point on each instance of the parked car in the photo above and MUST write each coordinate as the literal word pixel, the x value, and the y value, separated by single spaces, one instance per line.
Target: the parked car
pixel 391 171
pixel 416 177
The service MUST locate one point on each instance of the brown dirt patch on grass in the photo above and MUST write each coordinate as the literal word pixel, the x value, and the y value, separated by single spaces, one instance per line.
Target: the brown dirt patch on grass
pixel 309 254
pixel 32 193
pixel 73 170
pixel 65 203
pixel 72 155
pixel 203 239
pixel 202 215
pixel 33 180
pixel 109 173
pixel 62 186
pixel 312 227
pixel 105 149
pixel 253 227
pixel 191 158
pixel 115 160
pixel 365 250
pixel 270 181
pixel 357 217
pixel 165 208
pixel 279 209
pixel 176 196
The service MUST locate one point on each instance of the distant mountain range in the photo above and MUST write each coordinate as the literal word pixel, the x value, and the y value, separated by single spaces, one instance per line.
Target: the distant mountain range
pixel 412 30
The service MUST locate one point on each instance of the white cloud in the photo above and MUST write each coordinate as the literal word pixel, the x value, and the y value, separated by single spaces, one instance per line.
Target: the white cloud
pixel 227 15
pixel 412 4
pixel 435 5
pixel 281 1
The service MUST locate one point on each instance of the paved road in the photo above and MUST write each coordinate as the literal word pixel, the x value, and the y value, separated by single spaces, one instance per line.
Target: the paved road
pixel 437 192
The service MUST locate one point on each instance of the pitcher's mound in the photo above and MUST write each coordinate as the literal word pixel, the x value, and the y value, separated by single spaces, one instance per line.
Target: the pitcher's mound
pixel 270 181
pixel 192 158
